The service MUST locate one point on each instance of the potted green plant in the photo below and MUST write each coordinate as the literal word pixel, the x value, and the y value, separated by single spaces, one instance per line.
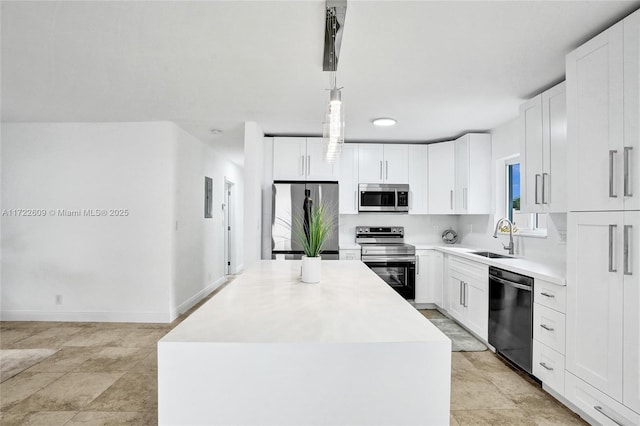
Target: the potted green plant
pixel 312 234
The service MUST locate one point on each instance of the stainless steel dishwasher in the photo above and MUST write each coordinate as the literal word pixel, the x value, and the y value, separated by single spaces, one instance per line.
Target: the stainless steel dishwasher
pixel 511 316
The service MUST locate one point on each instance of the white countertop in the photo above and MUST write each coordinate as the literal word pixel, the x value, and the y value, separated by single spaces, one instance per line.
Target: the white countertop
pixel 268 303
pixel 554 273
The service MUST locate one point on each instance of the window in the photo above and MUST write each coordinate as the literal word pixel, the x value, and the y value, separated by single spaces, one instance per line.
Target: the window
pixel 532 224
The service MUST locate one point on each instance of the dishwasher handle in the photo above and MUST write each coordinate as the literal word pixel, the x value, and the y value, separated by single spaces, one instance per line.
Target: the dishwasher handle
pixel 509 283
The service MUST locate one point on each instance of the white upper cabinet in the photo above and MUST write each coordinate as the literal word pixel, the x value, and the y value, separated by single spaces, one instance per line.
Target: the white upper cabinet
pixel 318 168
pixel 631 148
pixel 301 159
pixel 349 179
pixel 289 158
pixel 543 152
pixel 595 120
pixel 441 180
pixel 472 194
pixel 418 179
pixel 384 163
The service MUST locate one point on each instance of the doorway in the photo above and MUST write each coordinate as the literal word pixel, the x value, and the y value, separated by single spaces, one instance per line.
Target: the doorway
pixel 229 227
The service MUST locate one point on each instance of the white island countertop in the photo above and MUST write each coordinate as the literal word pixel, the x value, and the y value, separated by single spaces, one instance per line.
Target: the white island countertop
pixel 268 303
pixel 271 350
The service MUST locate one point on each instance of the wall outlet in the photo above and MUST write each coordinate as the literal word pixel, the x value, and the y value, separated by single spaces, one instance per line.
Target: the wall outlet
pixel 58 299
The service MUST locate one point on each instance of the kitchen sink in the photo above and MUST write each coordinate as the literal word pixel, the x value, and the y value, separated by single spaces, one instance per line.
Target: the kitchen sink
pixel 491 255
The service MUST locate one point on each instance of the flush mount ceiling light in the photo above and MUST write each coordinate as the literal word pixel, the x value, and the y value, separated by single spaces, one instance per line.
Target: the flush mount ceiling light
pixel 384 122
pixel 334 122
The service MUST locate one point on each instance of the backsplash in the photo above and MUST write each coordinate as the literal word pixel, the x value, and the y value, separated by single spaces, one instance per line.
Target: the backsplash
pixel 418 229
pixel 477 231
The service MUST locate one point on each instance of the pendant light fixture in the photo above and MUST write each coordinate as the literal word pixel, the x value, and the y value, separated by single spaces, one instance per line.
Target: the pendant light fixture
pixel 334 124
pixel 334 121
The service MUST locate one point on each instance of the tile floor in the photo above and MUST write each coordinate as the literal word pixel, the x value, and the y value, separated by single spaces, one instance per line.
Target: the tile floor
pixel 106 374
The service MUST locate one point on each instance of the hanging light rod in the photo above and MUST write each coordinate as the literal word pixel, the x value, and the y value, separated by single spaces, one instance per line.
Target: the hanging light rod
pixel 335 12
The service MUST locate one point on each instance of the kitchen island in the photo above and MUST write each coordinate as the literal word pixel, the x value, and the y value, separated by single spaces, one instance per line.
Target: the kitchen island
pixel 269 349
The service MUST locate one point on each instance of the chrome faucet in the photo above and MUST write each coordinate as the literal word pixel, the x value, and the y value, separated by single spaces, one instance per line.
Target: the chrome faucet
pixel 495 234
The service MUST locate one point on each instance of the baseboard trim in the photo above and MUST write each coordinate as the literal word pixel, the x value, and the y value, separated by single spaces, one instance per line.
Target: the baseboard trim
pixel 425 305
pixel 141 317
pixel 193 300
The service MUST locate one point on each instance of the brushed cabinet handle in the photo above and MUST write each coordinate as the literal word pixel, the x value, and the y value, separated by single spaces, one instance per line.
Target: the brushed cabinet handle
pixel 464 197
pixel 612 153
pixel 627 237
pixel 601 411
pixel 461 293
pixel 380 169
pixel 546 327
pixel 535 190
pixel 302 165
pixel 611 230
pixel 386 168
pixel 543 186
pixel 466 290
pixel 417 264
pixel 451 199
pixel 547 295
pixel 308 165
pixel 546 366
pixel 627 153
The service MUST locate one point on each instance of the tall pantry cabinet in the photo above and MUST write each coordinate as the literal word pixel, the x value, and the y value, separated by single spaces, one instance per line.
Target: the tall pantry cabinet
pixel 603 246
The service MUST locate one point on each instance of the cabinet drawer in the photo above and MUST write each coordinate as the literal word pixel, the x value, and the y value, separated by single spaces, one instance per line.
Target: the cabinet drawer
pixel 549 327
pixel 550 295
pixel 601 408
pixel 548 366
pixel 468 267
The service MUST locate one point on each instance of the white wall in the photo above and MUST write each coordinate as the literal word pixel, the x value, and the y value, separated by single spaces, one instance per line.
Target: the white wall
pixel 254 164
pixel 105 268
pixel 148 266
pixel 477 230
pixel 199 242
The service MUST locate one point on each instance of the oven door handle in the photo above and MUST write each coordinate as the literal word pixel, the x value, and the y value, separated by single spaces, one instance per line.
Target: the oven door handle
pixel 509 283
pixel 367 259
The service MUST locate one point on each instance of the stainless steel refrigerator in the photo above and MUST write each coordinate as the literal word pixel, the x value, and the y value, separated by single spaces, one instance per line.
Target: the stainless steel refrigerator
pixel 287 205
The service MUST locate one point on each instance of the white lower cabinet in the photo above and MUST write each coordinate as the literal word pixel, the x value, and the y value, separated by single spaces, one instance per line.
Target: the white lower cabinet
pixel 549 335
pixel 548 366
pixel 601 408
pixel 429 282
pixel 467 283
pixel 349 254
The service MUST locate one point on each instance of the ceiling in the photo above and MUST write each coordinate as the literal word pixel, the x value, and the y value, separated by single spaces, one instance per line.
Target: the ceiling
pixel 439 68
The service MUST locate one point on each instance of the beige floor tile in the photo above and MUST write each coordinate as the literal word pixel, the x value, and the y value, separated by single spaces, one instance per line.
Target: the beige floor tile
pixel 23 386
pixel 9 336
pixel 51 338
pixel 493 417
pixel 97 418
pixel 453 421
pixel 487 362
pixel 39 418
pixel 13 361
pixel 517 385
pixel 470 391
pixel 141 338
pixel 148 363
pixel 431 313
pixel 71 392
pixel 65 360
pixel 110 359
pixel 460 363
pixel 135 391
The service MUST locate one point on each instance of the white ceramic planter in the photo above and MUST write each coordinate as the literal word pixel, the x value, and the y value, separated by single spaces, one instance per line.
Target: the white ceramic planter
pixel 311 270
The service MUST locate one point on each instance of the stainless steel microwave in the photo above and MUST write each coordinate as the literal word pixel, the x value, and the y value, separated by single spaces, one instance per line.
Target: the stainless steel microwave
pixel 381 197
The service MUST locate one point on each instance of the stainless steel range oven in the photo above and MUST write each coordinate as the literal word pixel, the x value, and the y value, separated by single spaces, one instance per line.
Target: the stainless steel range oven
pixel 384 251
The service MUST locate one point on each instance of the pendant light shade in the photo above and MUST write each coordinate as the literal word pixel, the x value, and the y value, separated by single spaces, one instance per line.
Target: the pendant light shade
pixel 334 126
